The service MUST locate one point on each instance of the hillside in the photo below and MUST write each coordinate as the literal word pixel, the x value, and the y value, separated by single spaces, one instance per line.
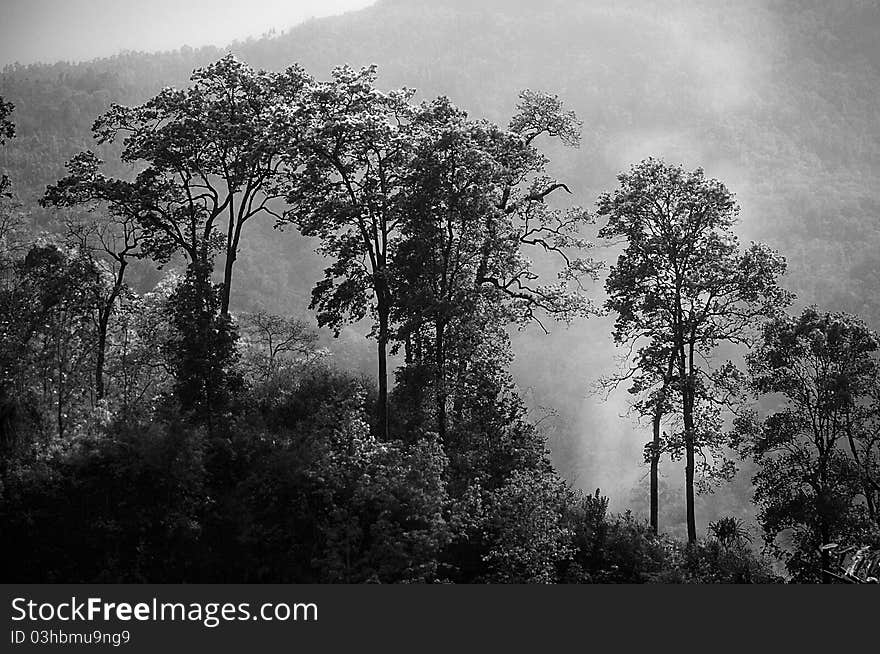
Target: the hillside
pixel 776 98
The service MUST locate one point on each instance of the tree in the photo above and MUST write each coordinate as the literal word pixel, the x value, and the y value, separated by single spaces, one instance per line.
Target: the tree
pixel 446 202
pixel 528 534
pixel 208 154
pixel 113 238
pixel 527 222
pixel 423 210
pixel 653 379
pixel 682 282
pixel 475 204
pixel 277 341
pixel 817 449
pixel 136 365
pixel 47 334
pixel 347 194
pixel 328 502
pixel 275 352
pixel 202 350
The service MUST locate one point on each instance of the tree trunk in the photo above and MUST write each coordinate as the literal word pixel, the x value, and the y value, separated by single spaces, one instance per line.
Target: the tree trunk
pixel 382 426
pixel 686 369
pixel 655 465
pixel 440 381
pixel 659 411
pixel 689 467
pixel 457 394
pixel 103 325
pixel 227 283
pixel 100 355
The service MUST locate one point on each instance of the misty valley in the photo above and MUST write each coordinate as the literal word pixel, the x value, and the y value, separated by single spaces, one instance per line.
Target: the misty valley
pixel 429 293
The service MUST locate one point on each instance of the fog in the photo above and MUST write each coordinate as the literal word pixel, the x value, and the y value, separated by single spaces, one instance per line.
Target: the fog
pixel 78 30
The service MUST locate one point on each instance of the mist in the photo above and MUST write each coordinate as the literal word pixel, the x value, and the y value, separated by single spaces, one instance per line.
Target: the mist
pixel 79 30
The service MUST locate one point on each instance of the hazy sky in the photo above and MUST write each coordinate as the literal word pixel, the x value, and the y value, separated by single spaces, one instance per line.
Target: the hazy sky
pixel 52 30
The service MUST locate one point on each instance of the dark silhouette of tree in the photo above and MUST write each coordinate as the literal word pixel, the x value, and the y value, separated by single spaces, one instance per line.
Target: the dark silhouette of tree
pixel 475 205
pixel 528 222
pixel 682 282
pixel 817 450
pixel 202 351
pixel 447 198
pixel 359 149
pixel 652 376
pixel 210 157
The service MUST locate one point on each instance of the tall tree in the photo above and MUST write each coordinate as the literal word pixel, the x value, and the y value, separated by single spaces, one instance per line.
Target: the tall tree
pixel 476 203
pixel 445 205
pixel 682 282
pixel 210 158
pixel 652 374
pixel 347 195
pixel 817 450
pixel 424 211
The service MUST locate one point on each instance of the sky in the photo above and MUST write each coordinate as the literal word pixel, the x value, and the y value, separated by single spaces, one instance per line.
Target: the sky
pixel 78 30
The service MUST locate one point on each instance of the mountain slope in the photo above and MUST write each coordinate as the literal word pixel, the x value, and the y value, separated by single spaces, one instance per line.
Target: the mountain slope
pixel 776 97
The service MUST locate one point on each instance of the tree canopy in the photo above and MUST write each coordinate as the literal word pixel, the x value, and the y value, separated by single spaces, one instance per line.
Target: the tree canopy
pixel 817 449
pixel 682 286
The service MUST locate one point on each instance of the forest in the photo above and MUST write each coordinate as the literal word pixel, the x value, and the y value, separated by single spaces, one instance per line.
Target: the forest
pixel 263 325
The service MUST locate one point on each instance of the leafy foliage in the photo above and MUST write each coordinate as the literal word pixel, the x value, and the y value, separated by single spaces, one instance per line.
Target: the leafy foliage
pixel 208 153
pixel 680 288
pixel 817 450
pixel 202 350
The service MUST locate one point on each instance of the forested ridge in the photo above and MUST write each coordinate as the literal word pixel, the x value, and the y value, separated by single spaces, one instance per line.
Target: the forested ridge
pixel 421 399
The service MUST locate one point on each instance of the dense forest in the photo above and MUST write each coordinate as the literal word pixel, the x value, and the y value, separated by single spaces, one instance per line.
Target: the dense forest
pixel 275 316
